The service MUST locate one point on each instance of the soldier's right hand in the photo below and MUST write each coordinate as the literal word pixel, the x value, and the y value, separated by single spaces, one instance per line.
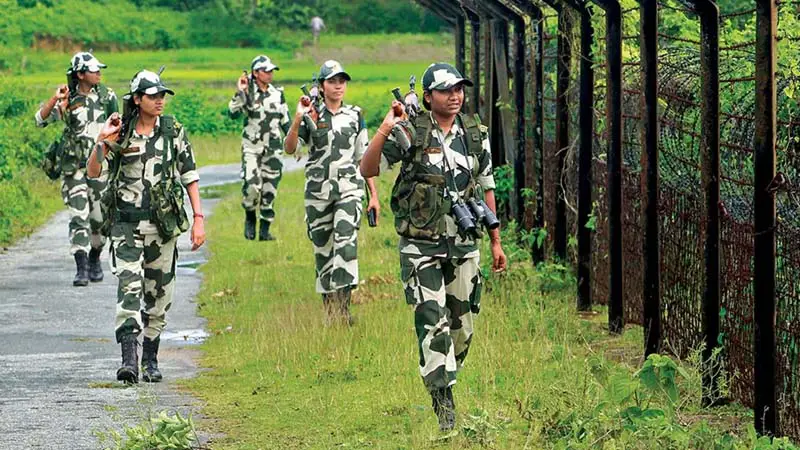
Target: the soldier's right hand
pixel 304 108
pixel 62 92
pixel 242 83
pixel 396 113
pixel 111 128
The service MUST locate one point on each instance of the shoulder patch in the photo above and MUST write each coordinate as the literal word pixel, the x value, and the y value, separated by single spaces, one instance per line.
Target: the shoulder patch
pixel 484 129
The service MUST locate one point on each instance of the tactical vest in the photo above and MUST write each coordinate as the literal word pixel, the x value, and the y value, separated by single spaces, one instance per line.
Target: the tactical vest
pixel 418 201
pixel 166 198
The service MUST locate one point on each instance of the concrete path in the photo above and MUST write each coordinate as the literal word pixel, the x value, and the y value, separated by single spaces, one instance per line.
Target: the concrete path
pixel 58 356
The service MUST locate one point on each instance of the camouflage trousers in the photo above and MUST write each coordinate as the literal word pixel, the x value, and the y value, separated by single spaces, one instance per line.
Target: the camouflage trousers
pixel 333 230
pixel 446 295
pixel 145 268
pixel 82 195
pixel 262 173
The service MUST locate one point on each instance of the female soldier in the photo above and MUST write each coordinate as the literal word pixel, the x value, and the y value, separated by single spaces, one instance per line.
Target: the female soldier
pixel 83 105
pixel 334 188
pixel 446 165
pixel 146 204
pixel 267 116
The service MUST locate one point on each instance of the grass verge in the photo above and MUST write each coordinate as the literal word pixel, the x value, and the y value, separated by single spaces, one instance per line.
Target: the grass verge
pixel 538 375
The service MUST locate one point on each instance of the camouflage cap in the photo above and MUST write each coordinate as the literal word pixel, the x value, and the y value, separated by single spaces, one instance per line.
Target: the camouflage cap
pixel 85 62
pixel 442 76
pixel 262 62
pixel 146 82
pixel 330 69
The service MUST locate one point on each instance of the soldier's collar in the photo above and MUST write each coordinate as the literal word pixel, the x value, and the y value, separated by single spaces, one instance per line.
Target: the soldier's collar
pixel 156 129
pixel 455 129
pixel 323 107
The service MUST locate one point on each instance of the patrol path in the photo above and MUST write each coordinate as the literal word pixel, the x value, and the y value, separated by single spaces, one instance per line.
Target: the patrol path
pixel 58 356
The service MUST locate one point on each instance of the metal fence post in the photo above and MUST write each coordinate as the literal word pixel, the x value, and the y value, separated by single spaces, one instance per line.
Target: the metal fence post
pixel 709 59
pixel 522 141
pixel 562 127
pixel 766 417
pixel 652 278
pixel 585 164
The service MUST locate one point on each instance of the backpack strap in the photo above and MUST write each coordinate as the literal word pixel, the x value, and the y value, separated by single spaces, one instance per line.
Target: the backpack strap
pixel 474 133
pixel 168 132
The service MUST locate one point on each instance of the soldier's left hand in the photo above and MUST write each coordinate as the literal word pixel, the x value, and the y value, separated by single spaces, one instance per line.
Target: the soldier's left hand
pixel 499 261
pixel 376 205
pixel 198 233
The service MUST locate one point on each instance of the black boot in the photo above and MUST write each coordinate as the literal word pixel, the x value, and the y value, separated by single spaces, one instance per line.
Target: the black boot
pixel 250 225
pixel 263 232
pixel 95 268
pixel 150 372
pixel 129 371
pixel 82 273
pixel 445 408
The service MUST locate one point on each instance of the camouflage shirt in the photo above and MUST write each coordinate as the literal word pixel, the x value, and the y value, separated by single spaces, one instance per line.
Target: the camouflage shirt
pixel 448 156
pixel 266 115
pixel 141 169
pixel 83 122
pixel 336 149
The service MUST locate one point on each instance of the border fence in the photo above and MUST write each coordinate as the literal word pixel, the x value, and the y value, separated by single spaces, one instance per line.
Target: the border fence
pixel 654 142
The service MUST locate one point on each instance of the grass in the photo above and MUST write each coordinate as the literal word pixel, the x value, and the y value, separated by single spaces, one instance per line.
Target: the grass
pixel 279 378
pixel 28 202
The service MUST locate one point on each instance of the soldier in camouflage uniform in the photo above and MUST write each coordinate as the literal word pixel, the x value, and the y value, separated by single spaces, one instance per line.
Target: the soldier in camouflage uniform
pixel 334 189
pixel 445 160
pixel 142 258
pixel 266 116
pixel 83 106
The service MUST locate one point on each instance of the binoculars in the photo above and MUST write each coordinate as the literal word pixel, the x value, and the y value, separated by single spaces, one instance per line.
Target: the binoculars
pixel 471 214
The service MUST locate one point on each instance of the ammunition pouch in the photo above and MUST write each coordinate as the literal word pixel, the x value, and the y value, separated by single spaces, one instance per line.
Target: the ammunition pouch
pixel 419 206
pixel 166 209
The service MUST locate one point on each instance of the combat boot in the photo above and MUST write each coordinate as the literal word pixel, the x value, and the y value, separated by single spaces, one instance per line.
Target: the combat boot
pixel 82 273
pixel 445 408
pixel 250 225
pixel 95 267
pixel 150 372
pixel 129 371
pixel 263 232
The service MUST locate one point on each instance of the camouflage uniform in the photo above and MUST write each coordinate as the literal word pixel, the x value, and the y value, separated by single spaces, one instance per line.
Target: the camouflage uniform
pixel 83 119
pixel 267 115
pixel 334 190
pixel 441 276
pixel 143 261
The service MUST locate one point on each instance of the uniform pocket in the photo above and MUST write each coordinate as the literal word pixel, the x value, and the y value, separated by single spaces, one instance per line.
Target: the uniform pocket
pixel 408 275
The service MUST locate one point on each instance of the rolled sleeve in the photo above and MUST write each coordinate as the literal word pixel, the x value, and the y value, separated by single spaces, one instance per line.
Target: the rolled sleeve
pixel 42 122
pixel 187 168
pixel 362 141
pixel 392 152
pixel 303 133
pixel 485 177
pixel 237 104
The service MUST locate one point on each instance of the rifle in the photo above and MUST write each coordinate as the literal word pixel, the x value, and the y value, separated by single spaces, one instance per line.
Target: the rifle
pixel 311 98
pixel 410 100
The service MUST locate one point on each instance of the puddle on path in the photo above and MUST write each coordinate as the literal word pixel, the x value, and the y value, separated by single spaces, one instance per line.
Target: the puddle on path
pixel 193 336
